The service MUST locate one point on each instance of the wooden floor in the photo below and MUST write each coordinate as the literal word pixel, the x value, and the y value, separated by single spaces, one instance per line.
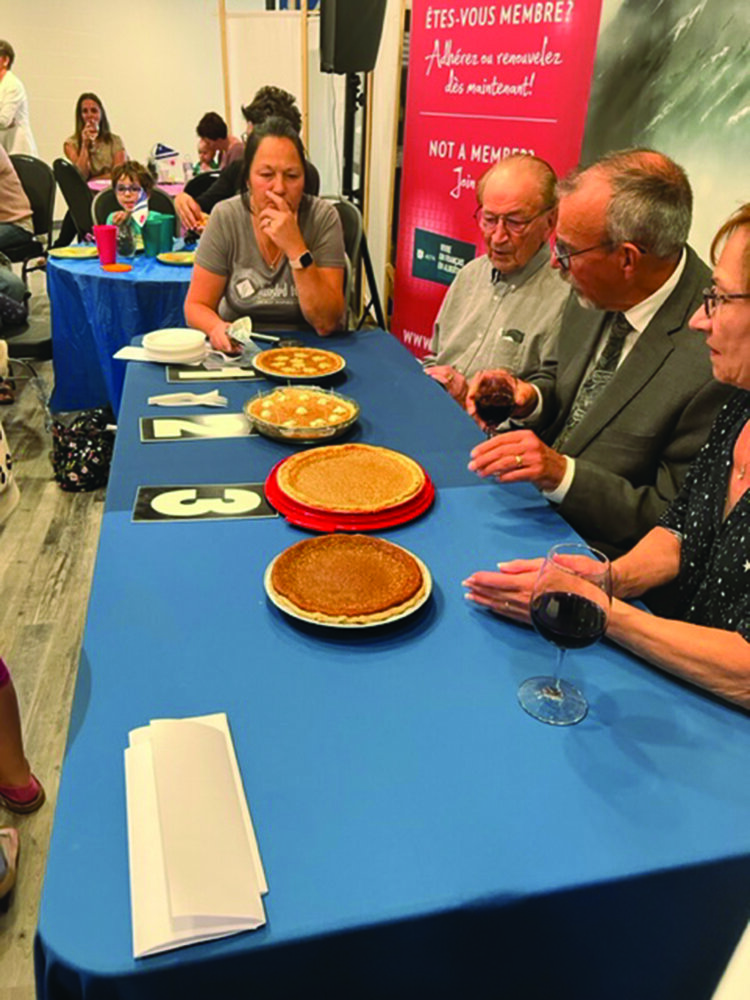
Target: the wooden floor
pixel 47 551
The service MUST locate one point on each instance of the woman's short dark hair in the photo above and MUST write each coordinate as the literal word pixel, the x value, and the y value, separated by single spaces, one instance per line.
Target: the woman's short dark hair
pixel 212 126
pixel 104 132
pixel 276 128
pixel 133 170
pixel 6 49
pixel 273 102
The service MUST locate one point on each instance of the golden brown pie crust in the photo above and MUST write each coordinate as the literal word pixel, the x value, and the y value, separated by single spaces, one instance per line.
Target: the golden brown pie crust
pixel 303 407
pixel 298 362
pixel 350 478
pixel 347 579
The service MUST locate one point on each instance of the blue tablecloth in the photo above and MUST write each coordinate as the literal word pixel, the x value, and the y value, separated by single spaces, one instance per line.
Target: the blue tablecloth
pixel 95 313
pixel 422 836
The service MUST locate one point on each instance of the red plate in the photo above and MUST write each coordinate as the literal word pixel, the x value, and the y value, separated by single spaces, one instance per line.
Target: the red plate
pixel 327 520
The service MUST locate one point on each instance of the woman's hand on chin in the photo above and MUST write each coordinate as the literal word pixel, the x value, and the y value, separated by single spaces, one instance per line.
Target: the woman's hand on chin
pixel 279 223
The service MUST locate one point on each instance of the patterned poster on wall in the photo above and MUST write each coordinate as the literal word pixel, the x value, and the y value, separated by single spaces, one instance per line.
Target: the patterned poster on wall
pixel 485 81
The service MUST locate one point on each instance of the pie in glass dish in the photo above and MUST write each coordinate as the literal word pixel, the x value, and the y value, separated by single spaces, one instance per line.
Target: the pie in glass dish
pixel 302 413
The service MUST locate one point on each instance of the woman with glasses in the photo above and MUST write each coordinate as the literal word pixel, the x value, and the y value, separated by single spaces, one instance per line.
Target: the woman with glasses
pixel 703 539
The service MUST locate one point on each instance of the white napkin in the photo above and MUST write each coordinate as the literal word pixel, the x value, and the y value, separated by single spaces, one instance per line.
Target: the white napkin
pixel 195 868
pixel 189 399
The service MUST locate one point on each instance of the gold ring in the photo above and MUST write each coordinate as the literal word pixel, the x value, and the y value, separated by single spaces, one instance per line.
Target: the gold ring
pixel 519 461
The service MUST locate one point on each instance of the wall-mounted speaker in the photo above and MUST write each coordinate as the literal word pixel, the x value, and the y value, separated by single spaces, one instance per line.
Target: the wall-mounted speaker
pixel 350 33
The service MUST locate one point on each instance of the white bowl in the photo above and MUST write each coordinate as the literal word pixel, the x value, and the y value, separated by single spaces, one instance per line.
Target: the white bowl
pixel 174 341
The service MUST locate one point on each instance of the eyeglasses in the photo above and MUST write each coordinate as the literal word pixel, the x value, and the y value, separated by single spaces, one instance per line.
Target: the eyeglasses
pixel 128 188
pixel 487 221
pixel 563 255
pixel 713 299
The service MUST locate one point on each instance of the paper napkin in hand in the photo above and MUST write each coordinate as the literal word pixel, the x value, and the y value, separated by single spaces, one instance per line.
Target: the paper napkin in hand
pixel 140 212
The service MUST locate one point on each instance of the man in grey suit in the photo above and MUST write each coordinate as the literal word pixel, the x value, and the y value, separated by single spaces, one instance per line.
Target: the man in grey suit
pixel 612 422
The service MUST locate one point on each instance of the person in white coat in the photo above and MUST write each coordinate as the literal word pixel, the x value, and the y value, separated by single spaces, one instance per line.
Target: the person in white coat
pixel 15 127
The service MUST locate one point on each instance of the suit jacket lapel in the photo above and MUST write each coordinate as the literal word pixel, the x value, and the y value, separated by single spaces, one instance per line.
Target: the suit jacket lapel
pixel 646 357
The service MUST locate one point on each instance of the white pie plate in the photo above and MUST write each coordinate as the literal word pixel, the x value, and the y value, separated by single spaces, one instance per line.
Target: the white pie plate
pixel 174 341
pixel 300 616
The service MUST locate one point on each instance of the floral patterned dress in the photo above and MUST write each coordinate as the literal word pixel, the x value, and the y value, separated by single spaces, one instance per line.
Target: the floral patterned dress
pixel 714 575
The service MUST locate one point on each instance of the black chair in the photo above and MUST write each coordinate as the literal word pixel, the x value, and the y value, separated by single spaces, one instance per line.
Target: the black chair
pixel 200 183
pixel 351 223
pixel 38 182
pixel 106 202
pixel 77 194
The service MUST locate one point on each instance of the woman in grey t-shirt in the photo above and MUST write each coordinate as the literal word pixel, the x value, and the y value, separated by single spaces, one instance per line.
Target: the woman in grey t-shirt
pixel 272 253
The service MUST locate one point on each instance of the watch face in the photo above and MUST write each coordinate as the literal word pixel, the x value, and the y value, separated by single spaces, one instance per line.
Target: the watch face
pixel 304 260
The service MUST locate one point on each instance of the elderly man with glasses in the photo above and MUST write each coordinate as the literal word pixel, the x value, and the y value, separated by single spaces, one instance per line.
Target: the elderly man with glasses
pixel 610 424
pixel 504 308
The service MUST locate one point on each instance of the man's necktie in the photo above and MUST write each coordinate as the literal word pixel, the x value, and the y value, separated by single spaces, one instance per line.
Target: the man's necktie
pixel 598 378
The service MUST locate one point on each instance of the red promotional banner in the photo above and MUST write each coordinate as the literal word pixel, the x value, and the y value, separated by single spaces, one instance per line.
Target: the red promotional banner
pixel 485 81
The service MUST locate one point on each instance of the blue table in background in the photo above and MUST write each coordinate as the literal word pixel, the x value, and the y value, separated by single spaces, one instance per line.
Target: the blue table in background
pixel 422 836
pixel 95 313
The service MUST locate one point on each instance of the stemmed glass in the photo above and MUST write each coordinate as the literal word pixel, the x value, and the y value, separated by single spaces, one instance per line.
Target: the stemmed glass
pixel 494 399
pixel 569 607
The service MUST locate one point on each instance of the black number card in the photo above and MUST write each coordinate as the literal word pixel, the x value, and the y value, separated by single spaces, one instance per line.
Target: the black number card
pixel 195 428
pixel 201 503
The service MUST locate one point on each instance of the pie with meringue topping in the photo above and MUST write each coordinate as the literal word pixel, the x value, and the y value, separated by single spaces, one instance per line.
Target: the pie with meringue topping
pixel 298 362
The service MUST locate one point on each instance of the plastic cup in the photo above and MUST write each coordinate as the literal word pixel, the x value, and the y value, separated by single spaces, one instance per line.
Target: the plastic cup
pixel 106 243
pixel 167 233
pixel 152 235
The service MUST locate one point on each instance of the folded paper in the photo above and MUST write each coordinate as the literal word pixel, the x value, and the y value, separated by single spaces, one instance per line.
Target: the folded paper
pixel 189 399
pixel 190 879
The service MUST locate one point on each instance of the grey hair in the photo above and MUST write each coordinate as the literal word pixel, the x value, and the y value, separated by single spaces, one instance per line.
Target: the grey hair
pixel 651 203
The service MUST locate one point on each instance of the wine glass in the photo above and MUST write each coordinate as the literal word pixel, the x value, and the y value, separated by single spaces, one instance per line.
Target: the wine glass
pixel 495 399
pixel 569 607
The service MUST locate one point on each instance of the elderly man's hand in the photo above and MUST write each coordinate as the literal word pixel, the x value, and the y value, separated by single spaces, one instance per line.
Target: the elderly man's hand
pixel 508 591
pixel 519 456
pixel 451 380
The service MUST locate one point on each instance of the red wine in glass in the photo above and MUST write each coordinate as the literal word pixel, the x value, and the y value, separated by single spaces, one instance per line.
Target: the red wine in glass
pixel 495 400
pixel 568 620
pixel 569 607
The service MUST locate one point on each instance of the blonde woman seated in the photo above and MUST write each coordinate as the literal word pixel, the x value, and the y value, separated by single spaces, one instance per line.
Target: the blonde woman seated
pixel 273 252
pixel 702 539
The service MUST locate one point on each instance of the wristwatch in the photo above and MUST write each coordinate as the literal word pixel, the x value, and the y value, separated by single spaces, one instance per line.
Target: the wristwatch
pixel 304 260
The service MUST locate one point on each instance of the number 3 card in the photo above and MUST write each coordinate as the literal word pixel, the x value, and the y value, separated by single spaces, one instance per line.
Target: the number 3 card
pixel 201 503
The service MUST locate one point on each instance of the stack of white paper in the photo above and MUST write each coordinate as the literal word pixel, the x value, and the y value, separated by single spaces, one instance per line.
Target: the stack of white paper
pixel 195 868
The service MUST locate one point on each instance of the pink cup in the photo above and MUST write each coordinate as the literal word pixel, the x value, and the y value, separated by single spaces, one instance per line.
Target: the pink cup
pixel 106 243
